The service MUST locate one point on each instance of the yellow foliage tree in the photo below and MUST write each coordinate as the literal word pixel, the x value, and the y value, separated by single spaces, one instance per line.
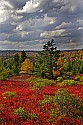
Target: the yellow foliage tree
pixel 26 67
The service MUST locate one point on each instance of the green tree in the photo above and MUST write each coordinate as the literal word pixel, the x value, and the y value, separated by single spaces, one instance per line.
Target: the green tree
pixel 16 65
pixel 75 66
pixel 23 56
pixel 16 59
pixel 50 49
pixel 4 71
pixel 46 62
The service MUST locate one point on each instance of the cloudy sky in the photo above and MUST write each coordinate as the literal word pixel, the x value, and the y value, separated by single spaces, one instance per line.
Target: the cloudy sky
pixel 29 24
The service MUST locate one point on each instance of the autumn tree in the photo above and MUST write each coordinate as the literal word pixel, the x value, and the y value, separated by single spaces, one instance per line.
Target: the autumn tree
pixel 26 67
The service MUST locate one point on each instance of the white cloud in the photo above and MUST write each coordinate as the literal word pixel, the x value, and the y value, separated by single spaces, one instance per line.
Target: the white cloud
pixel 30 6
pixel 7 12
pixel 49 34
pixel 8 45
pixel 63 25
pixel 80 28
pixel 5 4
pixel 57 1
pixel 18 28
pixel 36 24
pixel 80 21
pixel 49 20
pixel 24 33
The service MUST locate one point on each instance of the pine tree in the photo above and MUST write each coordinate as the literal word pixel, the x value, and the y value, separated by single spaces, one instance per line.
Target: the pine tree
pixel 16 64
pixel 47 61
pixel 16 59
pixel 23 56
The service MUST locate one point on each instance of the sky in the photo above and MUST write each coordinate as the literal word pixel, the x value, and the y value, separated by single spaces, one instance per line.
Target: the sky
pixel 29 24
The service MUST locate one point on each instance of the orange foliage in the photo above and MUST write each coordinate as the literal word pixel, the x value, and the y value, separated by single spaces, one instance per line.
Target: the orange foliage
pixel 55 73
pixel 26 67
pixel 59 61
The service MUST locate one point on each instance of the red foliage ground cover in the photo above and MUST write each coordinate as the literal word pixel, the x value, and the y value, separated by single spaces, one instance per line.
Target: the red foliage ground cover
pixel 28 99
pixel 77 90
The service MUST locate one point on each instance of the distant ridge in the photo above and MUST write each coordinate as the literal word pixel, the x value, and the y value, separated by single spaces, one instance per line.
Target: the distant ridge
pixel 11 53
pixel 36 50
pixel 71 50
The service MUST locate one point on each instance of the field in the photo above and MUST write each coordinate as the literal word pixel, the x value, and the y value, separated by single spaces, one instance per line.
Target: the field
pixel 30 100
pixel 44 89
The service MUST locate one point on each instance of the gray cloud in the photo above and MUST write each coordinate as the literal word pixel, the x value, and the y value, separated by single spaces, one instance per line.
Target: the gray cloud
pixel 6 28
pixel 28 24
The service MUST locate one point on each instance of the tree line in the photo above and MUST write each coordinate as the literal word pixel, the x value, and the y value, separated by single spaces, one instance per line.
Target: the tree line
pixel 49 63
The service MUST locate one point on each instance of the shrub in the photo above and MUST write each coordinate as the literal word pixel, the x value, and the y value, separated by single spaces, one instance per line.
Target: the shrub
pixel 33 116
pixel 4 74
pixel 75 66
pixel 21 113
pixel 77 78
pixel 81 78
pixel 42 82
pixel 81 83
pixel 32 79
pixel 67 121
pixel 67 82
pixel 39 82
pixel 59 79
pixel 47 100
pixel 66 104
pixel 9 94
pixel 67 75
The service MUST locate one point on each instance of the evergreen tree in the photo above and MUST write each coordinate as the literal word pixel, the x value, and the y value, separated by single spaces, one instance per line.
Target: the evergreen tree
pixel 16 59
pixel 23 56
pixel 50 49
pixel 46 62
pixel 16 64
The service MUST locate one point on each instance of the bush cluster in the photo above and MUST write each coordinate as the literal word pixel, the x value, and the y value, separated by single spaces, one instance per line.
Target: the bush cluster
pixel 67 104
pixel 42 82
pixel 67 82
pixel 39 82
pixel 21 112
